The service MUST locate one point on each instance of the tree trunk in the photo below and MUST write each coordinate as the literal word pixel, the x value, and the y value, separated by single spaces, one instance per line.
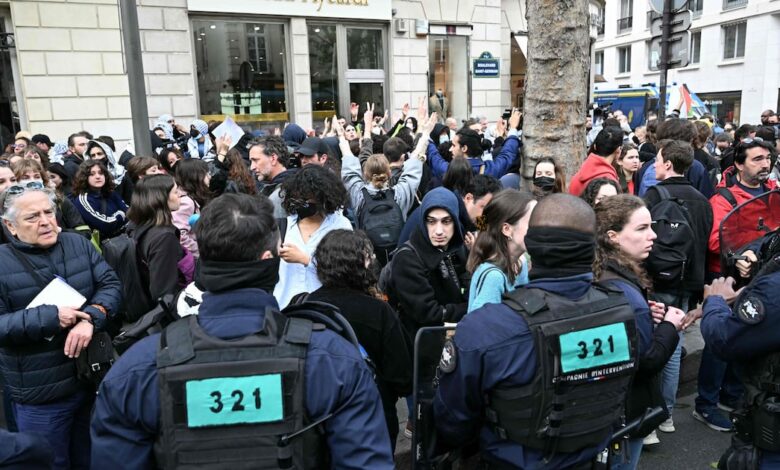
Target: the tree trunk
pixel 556 85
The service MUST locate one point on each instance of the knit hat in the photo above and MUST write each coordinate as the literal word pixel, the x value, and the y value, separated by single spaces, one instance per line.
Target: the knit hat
pixel 201 126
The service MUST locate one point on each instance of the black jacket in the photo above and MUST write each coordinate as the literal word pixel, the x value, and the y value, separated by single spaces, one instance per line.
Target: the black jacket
pixel 72 163
pixel 159 252
pixel 700 213
pixel 35 369
pixel 379 331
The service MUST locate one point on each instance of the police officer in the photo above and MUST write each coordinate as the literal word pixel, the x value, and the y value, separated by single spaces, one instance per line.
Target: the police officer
pixel 235 385
pixel 742 327
pixel 528 376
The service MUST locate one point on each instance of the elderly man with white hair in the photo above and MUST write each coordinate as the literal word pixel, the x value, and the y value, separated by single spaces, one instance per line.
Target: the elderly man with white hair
pixel 39 345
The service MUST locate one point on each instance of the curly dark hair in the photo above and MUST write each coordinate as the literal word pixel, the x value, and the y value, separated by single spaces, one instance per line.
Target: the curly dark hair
pixel 317 184
pixel 341 259
pixel 81 183
pixel 592 189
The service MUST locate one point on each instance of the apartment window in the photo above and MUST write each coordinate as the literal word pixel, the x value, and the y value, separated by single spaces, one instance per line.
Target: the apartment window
pixel 695 47
pixel 652 57
pixel 598 66
pixel 696 7
pixel 257 53
pixel 626 20
pixel 624 59
pixel 728 4
pixel 734 40
pixel 600 21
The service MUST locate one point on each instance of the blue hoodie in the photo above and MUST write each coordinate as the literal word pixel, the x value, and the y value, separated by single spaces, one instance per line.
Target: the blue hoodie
pixel 293 134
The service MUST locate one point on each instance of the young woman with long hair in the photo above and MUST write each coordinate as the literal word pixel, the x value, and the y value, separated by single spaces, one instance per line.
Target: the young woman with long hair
pixel 495 261
pixel 624 237
pixel 99 205
pixel 230 173
pixel 626 165
pixel 165 266
pixel 192 178
pixel 345 268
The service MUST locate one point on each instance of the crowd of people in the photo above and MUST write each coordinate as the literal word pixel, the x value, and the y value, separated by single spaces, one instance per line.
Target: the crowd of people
pixel 301 265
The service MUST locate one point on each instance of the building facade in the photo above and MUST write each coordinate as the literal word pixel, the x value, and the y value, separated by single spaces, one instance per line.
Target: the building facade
pixel 262 62
pixel 734 54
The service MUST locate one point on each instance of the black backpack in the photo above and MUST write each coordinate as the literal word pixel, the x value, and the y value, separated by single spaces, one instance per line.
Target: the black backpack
pixel 120 253
pixel 381 218
pixel 669 261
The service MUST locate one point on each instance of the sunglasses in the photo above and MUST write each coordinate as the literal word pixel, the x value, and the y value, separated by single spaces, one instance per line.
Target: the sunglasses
pixel 20 188
pixel 4 163
pixel 750 140
pixel 19 146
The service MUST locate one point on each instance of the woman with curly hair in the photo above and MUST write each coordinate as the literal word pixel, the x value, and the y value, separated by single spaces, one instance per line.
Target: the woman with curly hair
pixel 624 238
pixel 192 177
pixel 230 173
pixel 314 197
pixel 495 261
pixel 599 189
pixel 94 196
pixel 344 262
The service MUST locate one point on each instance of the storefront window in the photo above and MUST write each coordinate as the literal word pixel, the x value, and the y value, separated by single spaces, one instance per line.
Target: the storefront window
pixel 241 70
pixel 364 48
pixel 323 64
pixel 725 106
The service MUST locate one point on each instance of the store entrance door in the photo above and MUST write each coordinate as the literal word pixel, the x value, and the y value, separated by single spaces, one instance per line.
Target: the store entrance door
pixel 449 73
pixel 10 121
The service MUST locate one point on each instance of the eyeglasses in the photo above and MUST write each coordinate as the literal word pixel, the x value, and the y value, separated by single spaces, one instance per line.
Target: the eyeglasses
pixel 20 188
pixel 4 163
pixel 19 146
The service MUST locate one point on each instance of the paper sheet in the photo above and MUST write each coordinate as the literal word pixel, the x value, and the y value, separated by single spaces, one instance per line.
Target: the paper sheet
pixel 60 294
pixel 230 128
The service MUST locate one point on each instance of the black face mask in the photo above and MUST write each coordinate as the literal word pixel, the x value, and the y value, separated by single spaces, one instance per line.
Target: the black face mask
pixel 545 183
pixel 194 133
pixel 308 209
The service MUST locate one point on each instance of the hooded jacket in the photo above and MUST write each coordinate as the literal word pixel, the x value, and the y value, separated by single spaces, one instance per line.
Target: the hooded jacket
pixel 595 166
pixel 193 146
pixel 293 135
pixel 429 284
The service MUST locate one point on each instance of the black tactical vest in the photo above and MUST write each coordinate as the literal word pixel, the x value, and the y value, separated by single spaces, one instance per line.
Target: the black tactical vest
pixel 226 403
pixel 586 356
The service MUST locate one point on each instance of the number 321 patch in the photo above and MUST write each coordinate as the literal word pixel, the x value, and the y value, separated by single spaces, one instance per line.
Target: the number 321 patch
pixel 751 310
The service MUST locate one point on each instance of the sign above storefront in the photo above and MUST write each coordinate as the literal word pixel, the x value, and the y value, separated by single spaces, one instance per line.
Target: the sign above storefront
pixel 486 66
pixel 353 9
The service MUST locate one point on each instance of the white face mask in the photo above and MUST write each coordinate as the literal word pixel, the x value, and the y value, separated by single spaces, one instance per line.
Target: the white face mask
pixel 444 138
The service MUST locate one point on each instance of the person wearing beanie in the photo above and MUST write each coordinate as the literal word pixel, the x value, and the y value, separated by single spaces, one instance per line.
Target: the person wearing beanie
pixel 199 143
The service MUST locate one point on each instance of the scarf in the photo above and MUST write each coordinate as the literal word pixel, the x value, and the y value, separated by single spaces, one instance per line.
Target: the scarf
pixel 222 276
pixel 559 252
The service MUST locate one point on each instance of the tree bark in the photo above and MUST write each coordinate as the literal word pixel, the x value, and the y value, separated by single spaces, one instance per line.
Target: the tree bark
pixel 556 86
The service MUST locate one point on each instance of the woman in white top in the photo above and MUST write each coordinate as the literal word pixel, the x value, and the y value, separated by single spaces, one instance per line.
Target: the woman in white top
pixel 314 197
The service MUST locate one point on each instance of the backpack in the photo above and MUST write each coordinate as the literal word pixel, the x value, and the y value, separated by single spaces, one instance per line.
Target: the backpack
pixel 120 253
pixel 381 218
pixel 669 261
pixel 385 275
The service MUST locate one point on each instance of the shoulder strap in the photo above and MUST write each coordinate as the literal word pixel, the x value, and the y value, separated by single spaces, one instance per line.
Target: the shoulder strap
pixel 530 301
pixel 483 275
pixel 28 267
pixel 281 223
pixel 663 192
pixel 728 196
pixel 298 330
pixel 176 343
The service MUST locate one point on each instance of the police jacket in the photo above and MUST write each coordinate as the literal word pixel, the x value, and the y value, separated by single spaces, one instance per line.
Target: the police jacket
pixel 126 419
pixel 494 346
pixel 35 369
pixel 747 333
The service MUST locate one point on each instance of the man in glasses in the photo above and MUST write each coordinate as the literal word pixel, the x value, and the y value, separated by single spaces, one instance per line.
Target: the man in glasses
pixel 39 345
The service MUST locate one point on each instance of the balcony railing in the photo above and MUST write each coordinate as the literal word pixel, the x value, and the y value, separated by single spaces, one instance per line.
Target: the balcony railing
pixel 625 24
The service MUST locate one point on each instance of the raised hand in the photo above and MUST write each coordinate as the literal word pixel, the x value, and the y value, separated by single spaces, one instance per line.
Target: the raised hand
pixel 422 112
pixel 514 119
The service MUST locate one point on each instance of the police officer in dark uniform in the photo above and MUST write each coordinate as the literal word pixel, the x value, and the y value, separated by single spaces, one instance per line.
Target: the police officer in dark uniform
pixel 541 379
pixel 238 385
pixel 743 327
